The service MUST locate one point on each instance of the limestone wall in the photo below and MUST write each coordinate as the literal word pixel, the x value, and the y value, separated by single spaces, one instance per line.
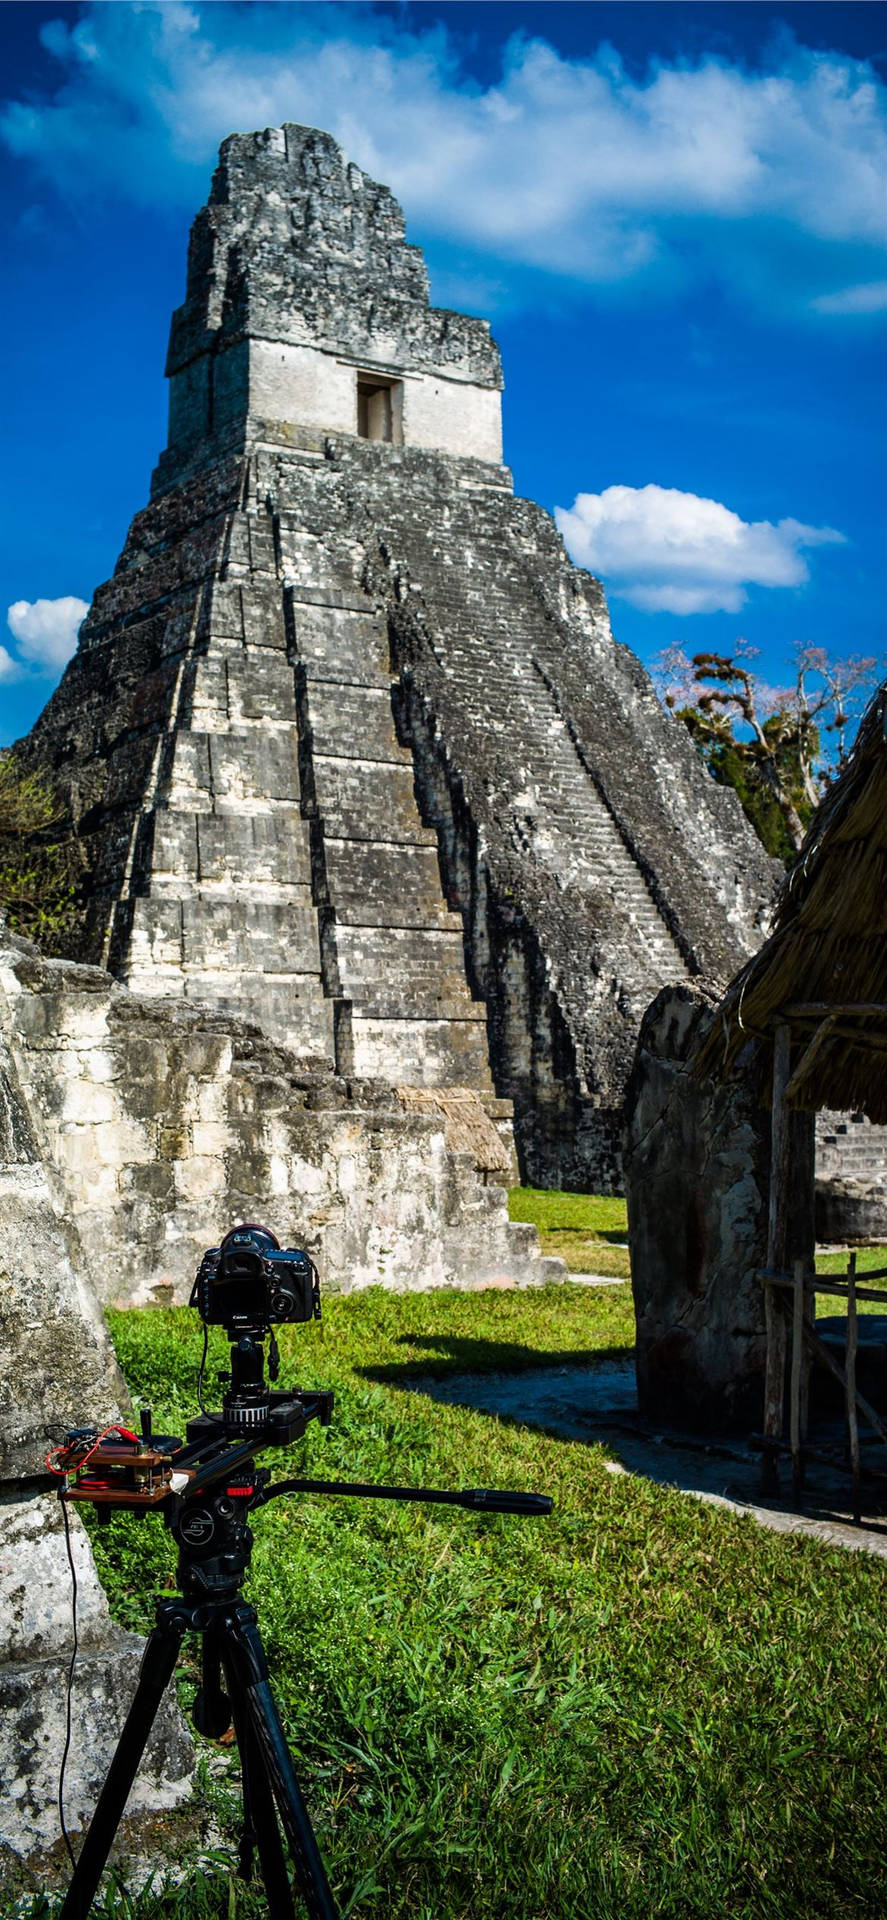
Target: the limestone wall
pixel 301 385
pixel 35 1651
pixel 165 1125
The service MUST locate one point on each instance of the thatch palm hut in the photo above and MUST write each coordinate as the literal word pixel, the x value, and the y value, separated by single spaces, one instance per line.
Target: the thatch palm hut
pixel 720 1136
pixel 815 996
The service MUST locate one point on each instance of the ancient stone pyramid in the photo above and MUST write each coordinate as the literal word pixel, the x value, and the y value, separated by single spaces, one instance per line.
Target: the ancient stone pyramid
pixel 350 749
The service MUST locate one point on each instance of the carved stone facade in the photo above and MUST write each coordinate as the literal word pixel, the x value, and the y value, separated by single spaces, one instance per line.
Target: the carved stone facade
pixel 350 749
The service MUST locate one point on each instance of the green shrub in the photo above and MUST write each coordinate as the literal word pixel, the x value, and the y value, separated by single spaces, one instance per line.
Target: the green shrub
pixel 39 865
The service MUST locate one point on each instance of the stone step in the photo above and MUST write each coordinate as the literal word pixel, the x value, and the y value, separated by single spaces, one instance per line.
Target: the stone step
pixel 368 800
pixel 390 969
pixel 371 882
pixel 341 645
pixel 565 824
pixel 421 1053
pixel 354 723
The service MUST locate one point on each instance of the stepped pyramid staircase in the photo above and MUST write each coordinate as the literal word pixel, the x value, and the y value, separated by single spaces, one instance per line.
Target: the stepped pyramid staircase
pixel 279 864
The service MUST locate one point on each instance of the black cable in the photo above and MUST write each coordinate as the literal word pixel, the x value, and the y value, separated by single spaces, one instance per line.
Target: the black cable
pixel 202 1368
pixel 67 1745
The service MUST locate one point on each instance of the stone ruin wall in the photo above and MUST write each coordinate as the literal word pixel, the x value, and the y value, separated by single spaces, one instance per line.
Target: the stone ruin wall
pixel 166 1124
pixel 697 1166
pixel 851 1189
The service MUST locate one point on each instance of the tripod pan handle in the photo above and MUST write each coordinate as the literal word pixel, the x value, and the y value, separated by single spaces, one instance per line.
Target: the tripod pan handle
pixel 490 1500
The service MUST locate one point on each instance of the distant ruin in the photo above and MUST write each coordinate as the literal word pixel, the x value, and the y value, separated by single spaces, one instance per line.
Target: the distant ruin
pixel 350 751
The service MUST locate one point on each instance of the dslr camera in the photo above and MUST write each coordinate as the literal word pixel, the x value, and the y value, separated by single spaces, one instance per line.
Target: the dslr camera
pixel 250 1282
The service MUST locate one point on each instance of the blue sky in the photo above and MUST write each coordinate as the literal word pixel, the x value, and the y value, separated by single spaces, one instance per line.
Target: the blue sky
pixel 675 217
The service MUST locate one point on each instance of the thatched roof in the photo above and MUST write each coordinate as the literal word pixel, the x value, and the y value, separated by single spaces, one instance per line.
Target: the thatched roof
pixel 824 967
pixel 467 1126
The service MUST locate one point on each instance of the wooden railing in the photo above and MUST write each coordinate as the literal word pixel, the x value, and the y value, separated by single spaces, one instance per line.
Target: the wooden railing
pixel 806 1345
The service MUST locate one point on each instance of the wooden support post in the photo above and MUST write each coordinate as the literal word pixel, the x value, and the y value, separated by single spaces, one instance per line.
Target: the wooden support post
pixel 774 1378
pixel 850 1351
pixel 797 1375
pixel 819 1348
pixel 807 1365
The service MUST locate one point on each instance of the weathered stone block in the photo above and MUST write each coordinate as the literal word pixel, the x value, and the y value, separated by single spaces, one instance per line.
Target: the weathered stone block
pixel 849 1211
pixel 340 645
pixel 261 687
pixel 697 1163
pixel 258 847
pixel 247 766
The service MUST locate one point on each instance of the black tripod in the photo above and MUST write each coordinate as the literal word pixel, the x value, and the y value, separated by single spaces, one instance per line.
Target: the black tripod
pixel 208 1520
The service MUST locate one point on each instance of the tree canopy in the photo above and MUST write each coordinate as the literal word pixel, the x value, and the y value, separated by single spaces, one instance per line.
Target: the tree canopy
pixel 777 747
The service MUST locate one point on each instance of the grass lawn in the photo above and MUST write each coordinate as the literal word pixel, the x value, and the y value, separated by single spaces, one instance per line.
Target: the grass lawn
pixel 642 1706
pixel 868 1259
pixel 588 1230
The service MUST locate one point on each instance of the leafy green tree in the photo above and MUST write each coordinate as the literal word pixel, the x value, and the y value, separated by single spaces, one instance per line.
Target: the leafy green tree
pixel 778 748
pixel 39 866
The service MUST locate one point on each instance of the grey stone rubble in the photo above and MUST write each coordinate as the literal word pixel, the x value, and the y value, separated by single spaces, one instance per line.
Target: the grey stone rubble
pixel 349 747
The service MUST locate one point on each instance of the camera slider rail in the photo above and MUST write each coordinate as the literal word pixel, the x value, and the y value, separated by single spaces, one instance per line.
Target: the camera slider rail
pixel 119 1468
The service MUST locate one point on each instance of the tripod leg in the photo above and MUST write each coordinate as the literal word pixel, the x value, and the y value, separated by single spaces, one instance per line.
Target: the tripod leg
pixel 158 1662
pixel 250 1689
pixel 212 1708
pixel 259 1819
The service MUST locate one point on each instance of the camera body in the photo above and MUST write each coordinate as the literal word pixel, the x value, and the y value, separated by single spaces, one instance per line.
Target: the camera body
pixel 250 1283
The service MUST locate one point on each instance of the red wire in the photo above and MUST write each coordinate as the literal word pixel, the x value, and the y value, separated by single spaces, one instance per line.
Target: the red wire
pixel 61 1473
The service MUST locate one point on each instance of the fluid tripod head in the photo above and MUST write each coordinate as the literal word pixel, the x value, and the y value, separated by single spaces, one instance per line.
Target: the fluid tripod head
pixel 244 1285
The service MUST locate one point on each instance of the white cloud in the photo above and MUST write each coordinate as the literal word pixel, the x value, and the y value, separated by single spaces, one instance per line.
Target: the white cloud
pixel 868 298
pixel 10 669
pixel 672 552
pixel 572 166
pixel 45 632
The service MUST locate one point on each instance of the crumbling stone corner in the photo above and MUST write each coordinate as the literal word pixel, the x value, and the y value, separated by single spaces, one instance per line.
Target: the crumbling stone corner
pixel 697 1159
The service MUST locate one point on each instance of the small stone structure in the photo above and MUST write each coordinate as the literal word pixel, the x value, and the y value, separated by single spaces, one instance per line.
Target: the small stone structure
pixel 697 1164
pixel 58 1369
pixel 350 751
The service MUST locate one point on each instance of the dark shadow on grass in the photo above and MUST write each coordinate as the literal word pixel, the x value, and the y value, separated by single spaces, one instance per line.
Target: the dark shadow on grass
pixel 617 1238
pixel 590 1395
pixel 439 1355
